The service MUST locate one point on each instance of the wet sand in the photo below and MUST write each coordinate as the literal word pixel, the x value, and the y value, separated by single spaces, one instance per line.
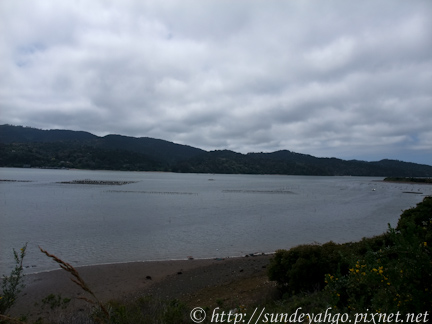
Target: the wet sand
pixel 161 279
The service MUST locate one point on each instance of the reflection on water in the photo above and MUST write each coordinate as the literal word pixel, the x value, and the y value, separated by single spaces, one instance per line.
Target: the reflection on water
pixel 155 216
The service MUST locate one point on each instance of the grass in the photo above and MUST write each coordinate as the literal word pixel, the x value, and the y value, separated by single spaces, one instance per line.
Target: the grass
pixel 102 314
pixel 12 285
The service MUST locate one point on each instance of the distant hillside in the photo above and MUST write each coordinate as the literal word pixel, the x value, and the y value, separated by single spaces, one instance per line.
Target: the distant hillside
pixel 164 151
pixel 286 162
pixel 65 148
pixel 25 146
pixel 19 134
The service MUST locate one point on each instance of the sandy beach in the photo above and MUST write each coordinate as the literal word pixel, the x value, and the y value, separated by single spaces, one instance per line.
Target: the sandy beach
pixel 181 279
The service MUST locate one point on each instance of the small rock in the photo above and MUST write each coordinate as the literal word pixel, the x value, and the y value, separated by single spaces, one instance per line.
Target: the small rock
pixel 149 278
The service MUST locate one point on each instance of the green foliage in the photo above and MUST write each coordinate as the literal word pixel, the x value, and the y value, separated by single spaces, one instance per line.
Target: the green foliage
pixel 388 273
pixel 148 310
pixel 55 301
pixel 13 284
pixel 302 268
pixel 419 220
pixel 395 278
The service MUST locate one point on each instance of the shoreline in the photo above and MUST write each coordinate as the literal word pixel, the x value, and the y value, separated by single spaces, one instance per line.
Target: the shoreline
pixel 407 182
pixel 78 267
pixel 120 281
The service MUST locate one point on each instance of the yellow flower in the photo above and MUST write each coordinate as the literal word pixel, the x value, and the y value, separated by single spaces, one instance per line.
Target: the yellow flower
pixel 425 243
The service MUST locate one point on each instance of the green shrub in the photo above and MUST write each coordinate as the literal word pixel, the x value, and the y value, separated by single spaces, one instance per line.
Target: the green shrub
pixel 303 267
pixel 421 217
pixel 388 273
pixel 396 277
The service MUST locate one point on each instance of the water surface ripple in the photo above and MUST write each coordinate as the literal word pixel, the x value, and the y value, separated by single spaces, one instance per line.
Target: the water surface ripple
pixel 158 216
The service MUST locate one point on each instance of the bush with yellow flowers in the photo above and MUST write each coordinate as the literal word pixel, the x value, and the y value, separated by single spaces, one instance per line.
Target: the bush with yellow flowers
pixel 396 277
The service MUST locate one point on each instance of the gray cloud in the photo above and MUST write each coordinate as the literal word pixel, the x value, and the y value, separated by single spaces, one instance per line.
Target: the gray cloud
pixel 334 78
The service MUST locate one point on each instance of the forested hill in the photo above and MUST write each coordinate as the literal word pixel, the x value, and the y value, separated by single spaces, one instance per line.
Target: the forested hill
pixel 286 162
pixel 72 149
pixel 25 146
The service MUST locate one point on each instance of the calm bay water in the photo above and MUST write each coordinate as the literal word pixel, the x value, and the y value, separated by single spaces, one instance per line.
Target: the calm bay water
pixel 172 216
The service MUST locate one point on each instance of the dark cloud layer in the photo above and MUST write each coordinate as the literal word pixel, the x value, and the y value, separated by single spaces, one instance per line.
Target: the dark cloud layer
pixel 328 78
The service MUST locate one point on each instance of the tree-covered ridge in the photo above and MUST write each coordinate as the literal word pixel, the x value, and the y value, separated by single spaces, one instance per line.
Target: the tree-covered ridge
pixel 286 162
pixel 28 146
pixel 75 156
pixel 25 146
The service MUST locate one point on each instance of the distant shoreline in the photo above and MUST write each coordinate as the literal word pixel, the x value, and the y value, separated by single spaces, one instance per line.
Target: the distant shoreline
pixel 427 181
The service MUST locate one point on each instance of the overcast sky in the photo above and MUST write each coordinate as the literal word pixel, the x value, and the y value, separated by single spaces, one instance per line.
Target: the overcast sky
pixel 346 79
